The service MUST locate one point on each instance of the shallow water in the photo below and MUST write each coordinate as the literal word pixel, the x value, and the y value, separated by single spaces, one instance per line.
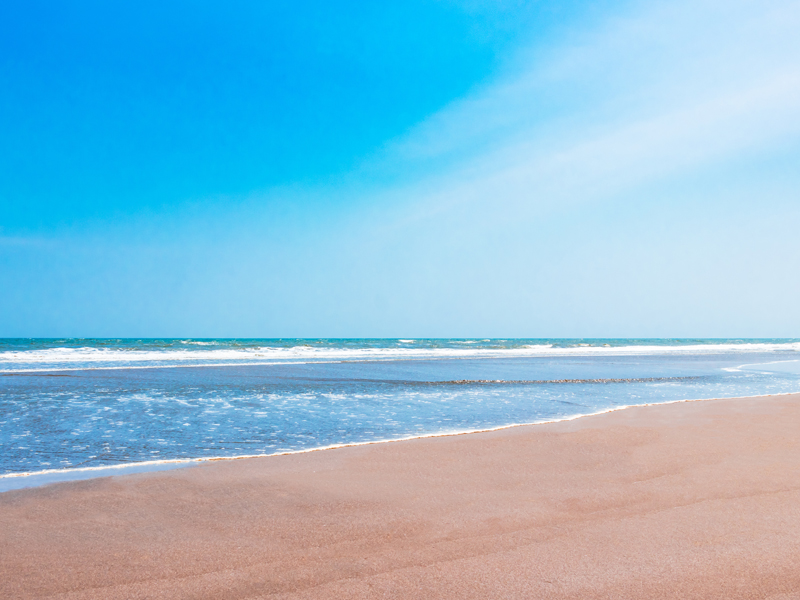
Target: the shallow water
pixel 86 403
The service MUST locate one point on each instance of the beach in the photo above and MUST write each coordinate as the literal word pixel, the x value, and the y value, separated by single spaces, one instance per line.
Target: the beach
pixel 696 499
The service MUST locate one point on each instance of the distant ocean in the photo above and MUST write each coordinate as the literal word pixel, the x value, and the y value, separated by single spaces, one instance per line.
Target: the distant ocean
pixel 77 403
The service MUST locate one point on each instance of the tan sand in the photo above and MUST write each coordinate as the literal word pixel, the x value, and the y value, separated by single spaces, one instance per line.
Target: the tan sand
pixel 688 500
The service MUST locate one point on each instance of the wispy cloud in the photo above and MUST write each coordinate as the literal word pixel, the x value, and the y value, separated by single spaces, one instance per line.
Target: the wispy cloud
pixel 667 89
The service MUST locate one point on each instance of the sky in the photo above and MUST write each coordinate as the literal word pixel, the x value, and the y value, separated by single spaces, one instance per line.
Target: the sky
pixel 421 169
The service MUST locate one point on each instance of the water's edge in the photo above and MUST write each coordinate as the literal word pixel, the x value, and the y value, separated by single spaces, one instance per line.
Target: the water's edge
pixel 33 479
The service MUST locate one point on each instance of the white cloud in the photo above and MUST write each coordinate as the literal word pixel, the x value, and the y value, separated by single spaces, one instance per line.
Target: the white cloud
pixel 672 87
pixel 549 201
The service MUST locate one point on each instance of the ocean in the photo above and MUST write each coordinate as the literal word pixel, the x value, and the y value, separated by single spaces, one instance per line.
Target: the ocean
pixel 75 408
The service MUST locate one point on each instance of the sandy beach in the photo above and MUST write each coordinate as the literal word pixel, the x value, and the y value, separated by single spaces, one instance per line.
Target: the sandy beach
pixel 686 500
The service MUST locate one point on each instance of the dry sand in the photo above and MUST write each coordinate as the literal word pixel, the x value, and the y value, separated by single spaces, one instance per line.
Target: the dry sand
pixel 688 500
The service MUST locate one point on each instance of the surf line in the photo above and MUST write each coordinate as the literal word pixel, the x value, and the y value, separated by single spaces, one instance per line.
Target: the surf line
pixel 187 462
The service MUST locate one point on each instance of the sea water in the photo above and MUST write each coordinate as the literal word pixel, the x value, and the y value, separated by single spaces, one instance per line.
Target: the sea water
pixel 69 404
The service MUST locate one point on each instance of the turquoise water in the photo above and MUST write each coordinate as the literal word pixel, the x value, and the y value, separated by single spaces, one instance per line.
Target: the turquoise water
pixel 70 403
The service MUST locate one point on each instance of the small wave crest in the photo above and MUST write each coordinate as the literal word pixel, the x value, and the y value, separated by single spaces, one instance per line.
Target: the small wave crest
pixel 191 352
pixel 556 381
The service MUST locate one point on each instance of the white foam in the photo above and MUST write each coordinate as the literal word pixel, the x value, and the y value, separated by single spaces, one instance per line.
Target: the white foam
pixel 12 481
pixel 784 367
pixel 87 357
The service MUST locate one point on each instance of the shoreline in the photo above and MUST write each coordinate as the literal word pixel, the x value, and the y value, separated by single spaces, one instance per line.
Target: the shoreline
pixel 695 499
pixel 53 476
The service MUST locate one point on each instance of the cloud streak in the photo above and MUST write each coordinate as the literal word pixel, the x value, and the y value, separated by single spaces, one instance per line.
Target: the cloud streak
pixel 669 89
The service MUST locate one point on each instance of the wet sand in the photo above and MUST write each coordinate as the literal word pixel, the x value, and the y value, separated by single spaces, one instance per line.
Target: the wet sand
pixel 687 500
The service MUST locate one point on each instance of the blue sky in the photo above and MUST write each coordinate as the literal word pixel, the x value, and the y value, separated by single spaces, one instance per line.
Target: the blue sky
pixel 575 169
